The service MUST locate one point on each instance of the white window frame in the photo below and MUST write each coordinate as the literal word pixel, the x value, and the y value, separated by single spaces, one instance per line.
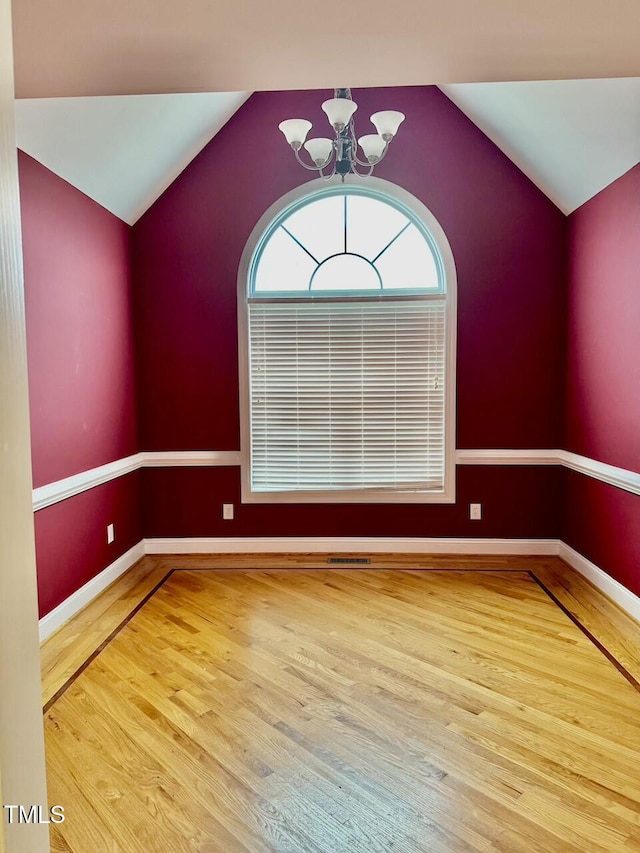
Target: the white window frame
pixel 383 190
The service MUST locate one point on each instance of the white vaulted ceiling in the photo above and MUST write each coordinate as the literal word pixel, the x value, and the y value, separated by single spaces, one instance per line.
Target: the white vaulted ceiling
pixel 571 137
pixel 123 152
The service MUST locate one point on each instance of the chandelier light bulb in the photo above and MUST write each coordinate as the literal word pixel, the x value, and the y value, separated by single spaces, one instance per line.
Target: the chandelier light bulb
pixel 295 131
pixel 373 146
pixel 387 123
pixel 319 150
pixel 339 111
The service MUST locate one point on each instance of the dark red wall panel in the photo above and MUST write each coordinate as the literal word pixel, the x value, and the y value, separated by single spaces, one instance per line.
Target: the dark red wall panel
pixel 541 300
pixel 525 303
pixel 508 241
pixel 79 327
pixel 602 523
pixel 518 502
pixel 603 359
pixel 603 375
pixel 71 537
pixel 78 289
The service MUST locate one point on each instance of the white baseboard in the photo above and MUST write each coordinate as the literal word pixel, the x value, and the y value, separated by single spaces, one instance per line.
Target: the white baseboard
pixel 373 545
pixel 612 588
pixel 83 596
pixel 629 602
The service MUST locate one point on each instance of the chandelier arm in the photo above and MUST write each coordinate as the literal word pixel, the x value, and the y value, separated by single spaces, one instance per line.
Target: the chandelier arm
pixel 328 177
pixel 312 168
pixel 384 152
pixel 363 174
pixel 366 163
pixel 354 149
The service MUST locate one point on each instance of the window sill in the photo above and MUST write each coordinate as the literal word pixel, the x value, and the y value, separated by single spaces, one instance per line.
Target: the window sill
pixel 349 497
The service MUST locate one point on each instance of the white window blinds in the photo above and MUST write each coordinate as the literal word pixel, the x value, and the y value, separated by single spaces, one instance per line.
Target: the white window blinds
pixel 347 395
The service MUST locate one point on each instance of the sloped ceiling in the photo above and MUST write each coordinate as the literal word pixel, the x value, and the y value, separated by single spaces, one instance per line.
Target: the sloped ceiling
pixel 570 137
pixel 123 152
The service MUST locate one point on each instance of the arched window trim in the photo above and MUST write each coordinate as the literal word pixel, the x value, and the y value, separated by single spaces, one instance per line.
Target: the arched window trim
pixel 268 222
pixel 367 191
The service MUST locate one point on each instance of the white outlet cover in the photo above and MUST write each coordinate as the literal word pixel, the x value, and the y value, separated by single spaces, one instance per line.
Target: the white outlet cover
pixel 227 512
pixel 111 533
pixel 475 512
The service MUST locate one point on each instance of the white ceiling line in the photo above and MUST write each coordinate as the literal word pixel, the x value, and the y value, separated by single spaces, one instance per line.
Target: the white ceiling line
pixel 572 138
pixel 123 152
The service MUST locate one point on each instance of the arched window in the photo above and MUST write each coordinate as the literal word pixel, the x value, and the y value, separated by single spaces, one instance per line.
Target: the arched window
pixel 347 350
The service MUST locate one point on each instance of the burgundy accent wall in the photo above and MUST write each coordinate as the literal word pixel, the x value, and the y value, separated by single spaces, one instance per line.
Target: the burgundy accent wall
pixel 71 542
pixel 508 241
pixel 78 292
pixel 603 375
pixel 548 344
pixel 603 312
pixel 186 502
pixel 79 307
pixel 602 523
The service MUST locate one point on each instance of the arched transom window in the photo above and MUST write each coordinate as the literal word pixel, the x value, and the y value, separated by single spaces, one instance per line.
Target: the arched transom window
pixel 347 243
pixel 347 307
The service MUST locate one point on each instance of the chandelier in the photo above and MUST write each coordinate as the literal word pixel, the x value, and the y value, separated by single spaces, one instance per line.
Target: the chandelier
pixel 340 155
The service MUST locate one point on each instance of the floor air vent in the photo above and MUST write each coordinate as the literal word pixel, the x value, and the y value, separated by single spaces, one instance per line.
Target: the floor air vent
pixel 360 561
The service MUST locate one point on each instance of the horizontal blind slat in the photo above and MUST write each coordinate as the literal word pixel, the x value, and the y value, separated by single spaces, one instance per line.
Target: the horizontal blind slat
pixel 347 395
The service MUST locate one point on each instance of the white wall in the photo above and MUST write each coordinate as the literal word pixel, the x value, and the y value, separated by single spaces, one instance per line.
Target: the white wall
pixel 22 762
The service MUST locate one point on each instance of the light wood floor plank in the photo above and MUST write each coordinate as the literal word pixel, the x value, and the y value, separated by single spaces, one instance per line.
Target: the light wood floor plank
pixel 66 650
pixel 69 648
pixel 344 710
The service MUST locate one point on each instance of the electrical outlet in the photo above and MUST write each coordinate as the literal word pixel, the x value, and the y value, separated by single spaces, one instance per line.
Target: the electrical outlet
pixel 111 533
pixel 227 512
pixel 475 512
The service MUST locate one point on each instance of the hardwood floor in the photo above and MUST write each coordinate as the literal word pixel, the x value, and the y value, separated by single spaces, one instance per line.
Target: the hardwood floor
pixel 260 709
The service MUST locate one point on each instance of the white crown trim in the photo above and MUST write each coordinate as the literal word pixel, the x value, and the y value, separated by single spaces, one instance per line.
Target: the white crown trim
pixel 190 458
pixel 60 490
pixel 622 478
pixel 507 457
